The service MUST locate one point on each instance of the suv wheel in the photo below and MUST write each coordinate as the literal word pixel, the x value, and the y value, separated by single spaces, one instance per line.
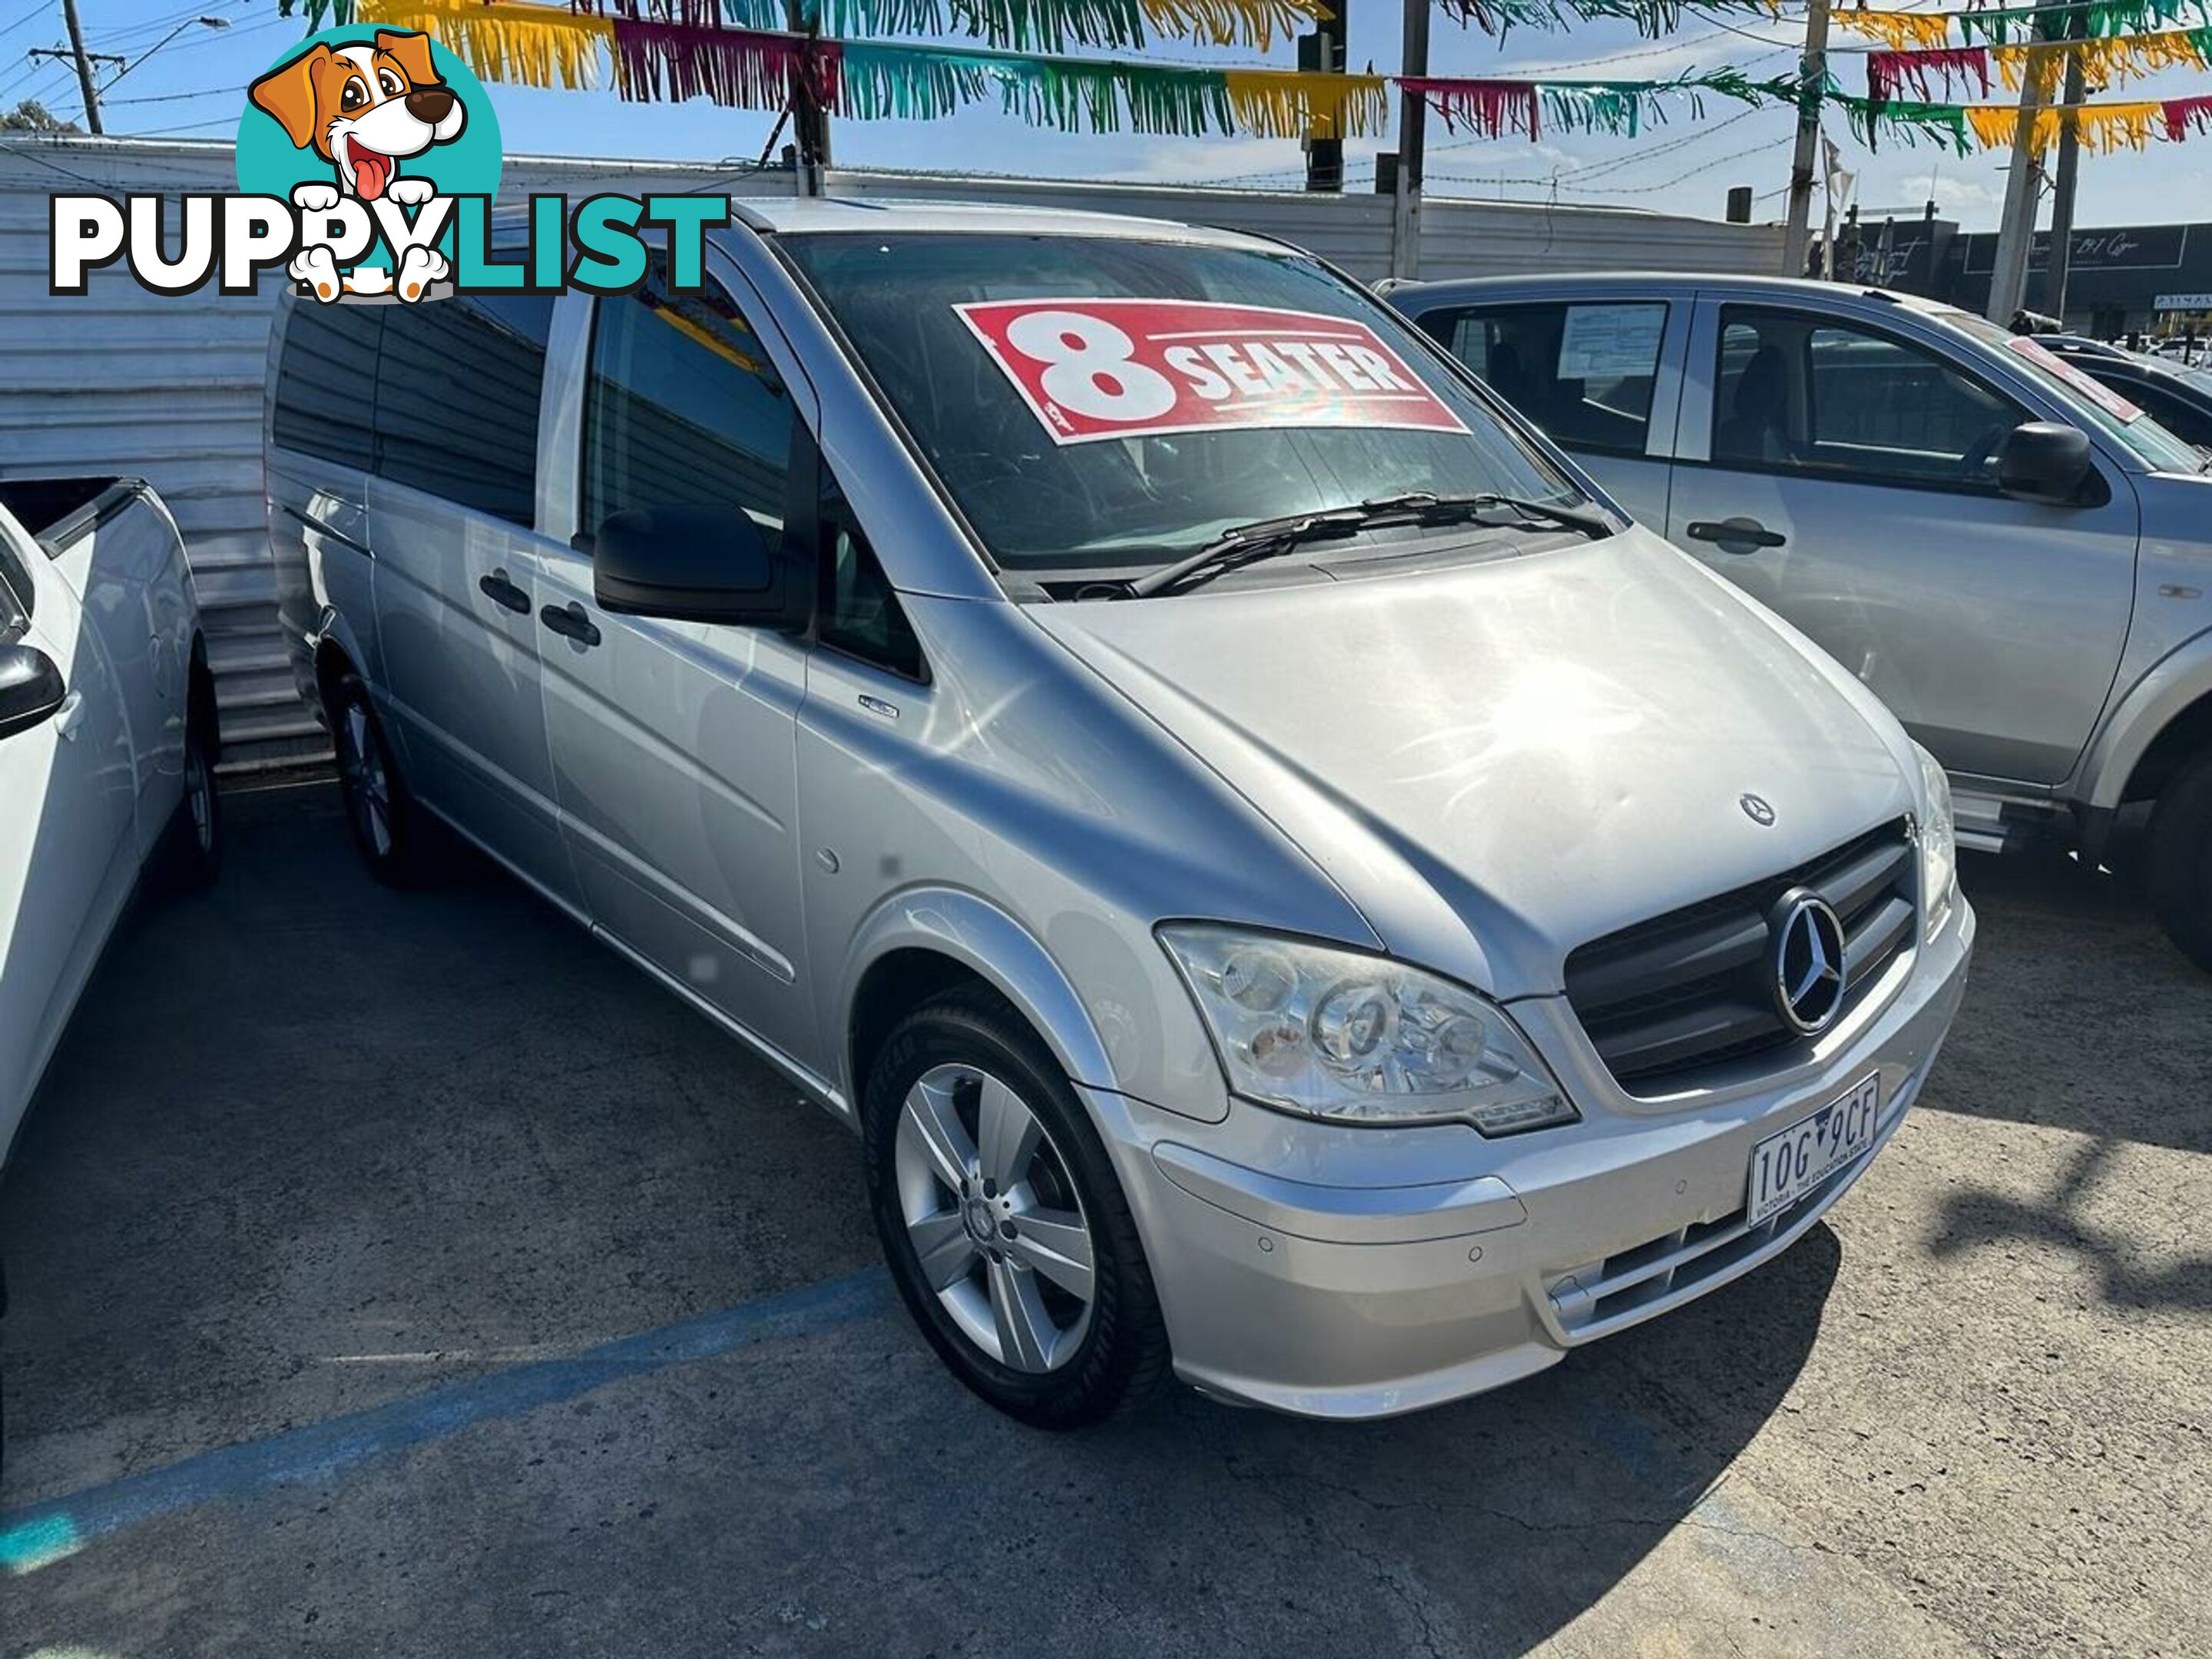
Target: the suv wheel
pixel 1005 1229
pixel 194 851
pixel 2178 860
pixel 379 809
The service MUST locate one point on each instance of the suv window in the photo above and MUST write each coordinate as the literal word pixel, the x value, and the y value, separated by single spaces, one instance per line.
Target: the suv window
pixel 326 381
pixel 457 391
pixel 684 408
pixel 2189 421
pixel 860 613
pixel 1583 372
pixel 1796 393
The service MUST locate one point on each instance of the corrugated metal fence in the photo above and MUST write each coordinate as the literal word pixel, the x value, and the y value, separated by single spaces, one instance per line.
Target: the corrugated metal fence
pixel 171 388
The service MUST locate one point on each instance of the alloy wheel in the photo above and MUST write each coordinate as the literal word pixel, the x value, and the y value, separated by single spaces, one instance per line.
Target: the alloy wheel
pixel 368 789
pixel 994 1219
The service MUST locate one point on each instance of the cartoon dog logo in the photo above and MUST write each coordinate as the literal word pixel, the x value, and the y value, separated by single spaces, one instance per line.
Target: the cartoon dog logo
pixel 364 109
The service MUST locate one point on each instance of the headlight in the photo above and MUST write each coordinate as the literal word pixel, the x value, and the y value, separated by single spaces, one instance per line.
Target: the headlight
pixel 1352 1038
pixel 1939 844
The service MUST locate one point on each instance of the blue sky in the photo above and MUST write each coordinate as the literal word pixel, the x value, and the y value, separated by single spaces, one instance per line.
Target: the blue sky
pixel 193 87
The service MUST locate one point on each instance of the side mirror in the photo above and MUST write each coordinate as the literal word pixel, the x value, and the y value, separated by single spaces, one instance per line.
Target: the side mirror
pixel 2044 461
pixel 710 564
pixel 31 688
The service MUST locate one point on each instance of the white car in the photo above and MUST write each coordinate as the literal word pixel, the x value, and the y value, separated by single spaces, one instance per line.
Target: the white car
pixel 107 743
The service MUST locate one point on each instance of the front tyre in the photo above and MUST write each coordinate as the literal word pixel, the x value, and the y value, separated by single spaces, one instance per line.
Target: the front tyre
pixel 2178 860
pixel 1004 1227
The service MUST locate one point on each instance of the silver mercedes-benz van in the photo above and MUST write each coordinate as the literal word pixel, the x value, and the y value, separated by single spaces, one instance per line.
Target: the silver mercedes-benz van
pixel 1290 886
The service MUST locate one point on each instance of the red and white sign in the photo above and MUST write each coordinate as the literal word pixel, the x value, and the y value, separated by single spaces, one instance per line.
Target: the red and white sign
pixel 2112 402
pixel 1122 369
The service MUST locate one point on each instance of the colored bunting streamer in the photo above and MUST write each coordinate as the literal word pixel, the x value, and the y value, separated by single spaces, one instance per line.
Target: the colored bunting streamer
pixel 1887 71
pixel 2112 61
pixel 678 49
pixel 529 45
pixel 2186 115
pixel 1050 26
pixel 2101 128
pixel 1904 31
pixel 1652 18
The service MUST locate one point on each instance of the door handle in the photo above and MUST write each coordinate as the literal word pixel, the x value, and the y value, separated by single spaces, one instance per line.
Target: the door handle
pixel 1736 535
pixel 504 594
pixel 570 623
pixel 69 719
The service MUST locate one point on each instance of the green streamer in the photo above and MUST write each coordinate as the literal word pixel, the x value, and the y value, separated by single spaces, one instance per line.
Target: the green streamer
pixel 1872 119
pixel 2001 26
pixel 908 84
pixel 889 82
pixel 1051 25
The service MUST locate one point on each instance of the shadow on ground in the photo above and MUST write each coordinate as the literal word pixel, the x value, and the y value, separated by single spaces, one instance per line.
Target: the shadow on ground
pixel 312 1147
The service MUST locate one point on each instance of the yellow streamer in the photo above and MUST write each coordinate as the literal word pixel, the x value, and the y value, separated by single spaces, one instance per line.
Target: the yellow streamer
pixel 2101 128
pixel 531 45
pixel 2106 62
pixel 1235 22
pixel 1900 31
pixel 1279 103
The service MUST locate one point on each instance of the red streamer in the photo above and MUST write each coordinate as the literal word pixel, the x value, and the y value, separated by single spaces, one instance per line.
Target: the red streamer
pixel 2186 115
pixel 1888 70
pixel 737 68
pixel 1488 108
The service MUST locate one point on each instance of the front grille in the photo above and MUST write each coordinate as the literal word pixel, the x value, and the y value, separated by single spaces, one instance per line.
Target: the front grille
pixel 1695 987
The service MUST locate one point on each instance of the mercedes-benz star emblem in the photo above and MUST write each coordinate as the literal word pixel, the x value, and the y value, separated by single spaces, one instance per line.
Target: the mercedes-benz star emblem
pixel 1809 970
pixel 1756 809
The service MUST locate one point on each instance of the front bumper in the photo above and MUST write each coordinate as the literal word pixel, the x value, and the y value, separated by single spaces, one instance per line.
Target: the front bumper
pixel 1354 1273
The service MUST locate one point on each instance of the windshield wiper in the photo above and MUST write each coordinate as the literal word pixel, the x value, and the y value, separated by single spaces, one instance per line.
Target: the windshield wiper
pixel 1266 538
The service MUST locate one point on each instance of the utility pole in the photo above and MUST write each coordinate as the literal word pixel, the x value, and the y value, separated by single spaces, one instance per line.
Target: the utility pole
pixel 2023 188
pixel 1813 82
pixel 1322 53
pixel 809 120
pixel 2069 173
pixel 1412 131
pixel 85 60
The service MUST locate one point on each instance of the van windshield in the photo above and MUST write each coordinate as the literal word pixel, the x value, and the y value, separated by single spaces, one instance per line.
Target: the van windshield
pixel 1104 403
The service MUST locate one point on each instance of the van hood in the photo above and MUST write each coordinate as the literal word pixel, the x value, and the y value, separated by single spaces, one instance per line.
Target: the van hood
pixel 1500 761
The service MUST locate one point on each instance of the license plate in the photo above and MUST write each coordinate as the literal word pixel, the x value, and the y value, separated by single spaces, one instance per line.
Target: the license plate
pixel 1786 1166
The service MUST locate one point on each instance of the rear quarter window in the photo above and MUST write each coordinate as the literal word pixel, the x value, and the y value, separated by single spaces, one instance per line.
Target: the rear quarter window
pixel 325 391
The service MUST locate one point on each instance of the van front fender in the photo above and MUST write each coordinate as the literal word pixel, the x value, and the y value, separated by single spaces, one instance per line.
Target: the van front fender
pixel 980 937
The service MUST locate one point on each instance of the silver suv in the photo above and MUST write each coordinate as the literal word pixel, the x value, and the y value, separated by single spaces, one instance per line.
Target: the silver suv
pixel 1290 886
pixel 2013 555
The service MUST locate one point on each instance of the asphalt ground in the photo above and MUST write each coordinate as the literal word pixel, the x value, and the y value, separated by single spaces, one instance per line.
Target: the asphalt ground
pixel 403 1274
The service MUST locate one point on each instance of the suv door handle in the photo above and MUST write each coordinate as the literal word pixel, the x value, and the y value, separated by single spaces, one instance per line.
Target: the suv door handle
pixel 504 594
pixel 570 623
pixel 1736 535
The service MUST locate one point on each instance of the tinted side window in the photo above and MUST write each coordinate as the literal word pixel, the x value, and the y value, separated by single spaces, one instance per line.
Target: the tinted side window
pixel 1798 393
pixel 860 613
pixel 457 388
pixel 326 381
pixel 2186 421
pixel 1583 373
pixel 685 408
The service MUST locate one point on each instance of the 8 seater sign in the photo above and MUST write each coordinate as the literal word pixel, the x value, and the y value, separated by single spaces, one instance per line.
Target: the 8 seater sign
pixel 1119 368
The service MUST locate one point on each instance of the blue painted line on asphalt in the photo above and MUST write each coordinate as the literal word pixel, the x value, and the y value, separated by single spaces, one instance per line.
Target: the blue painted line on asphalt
pixel 31 1536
